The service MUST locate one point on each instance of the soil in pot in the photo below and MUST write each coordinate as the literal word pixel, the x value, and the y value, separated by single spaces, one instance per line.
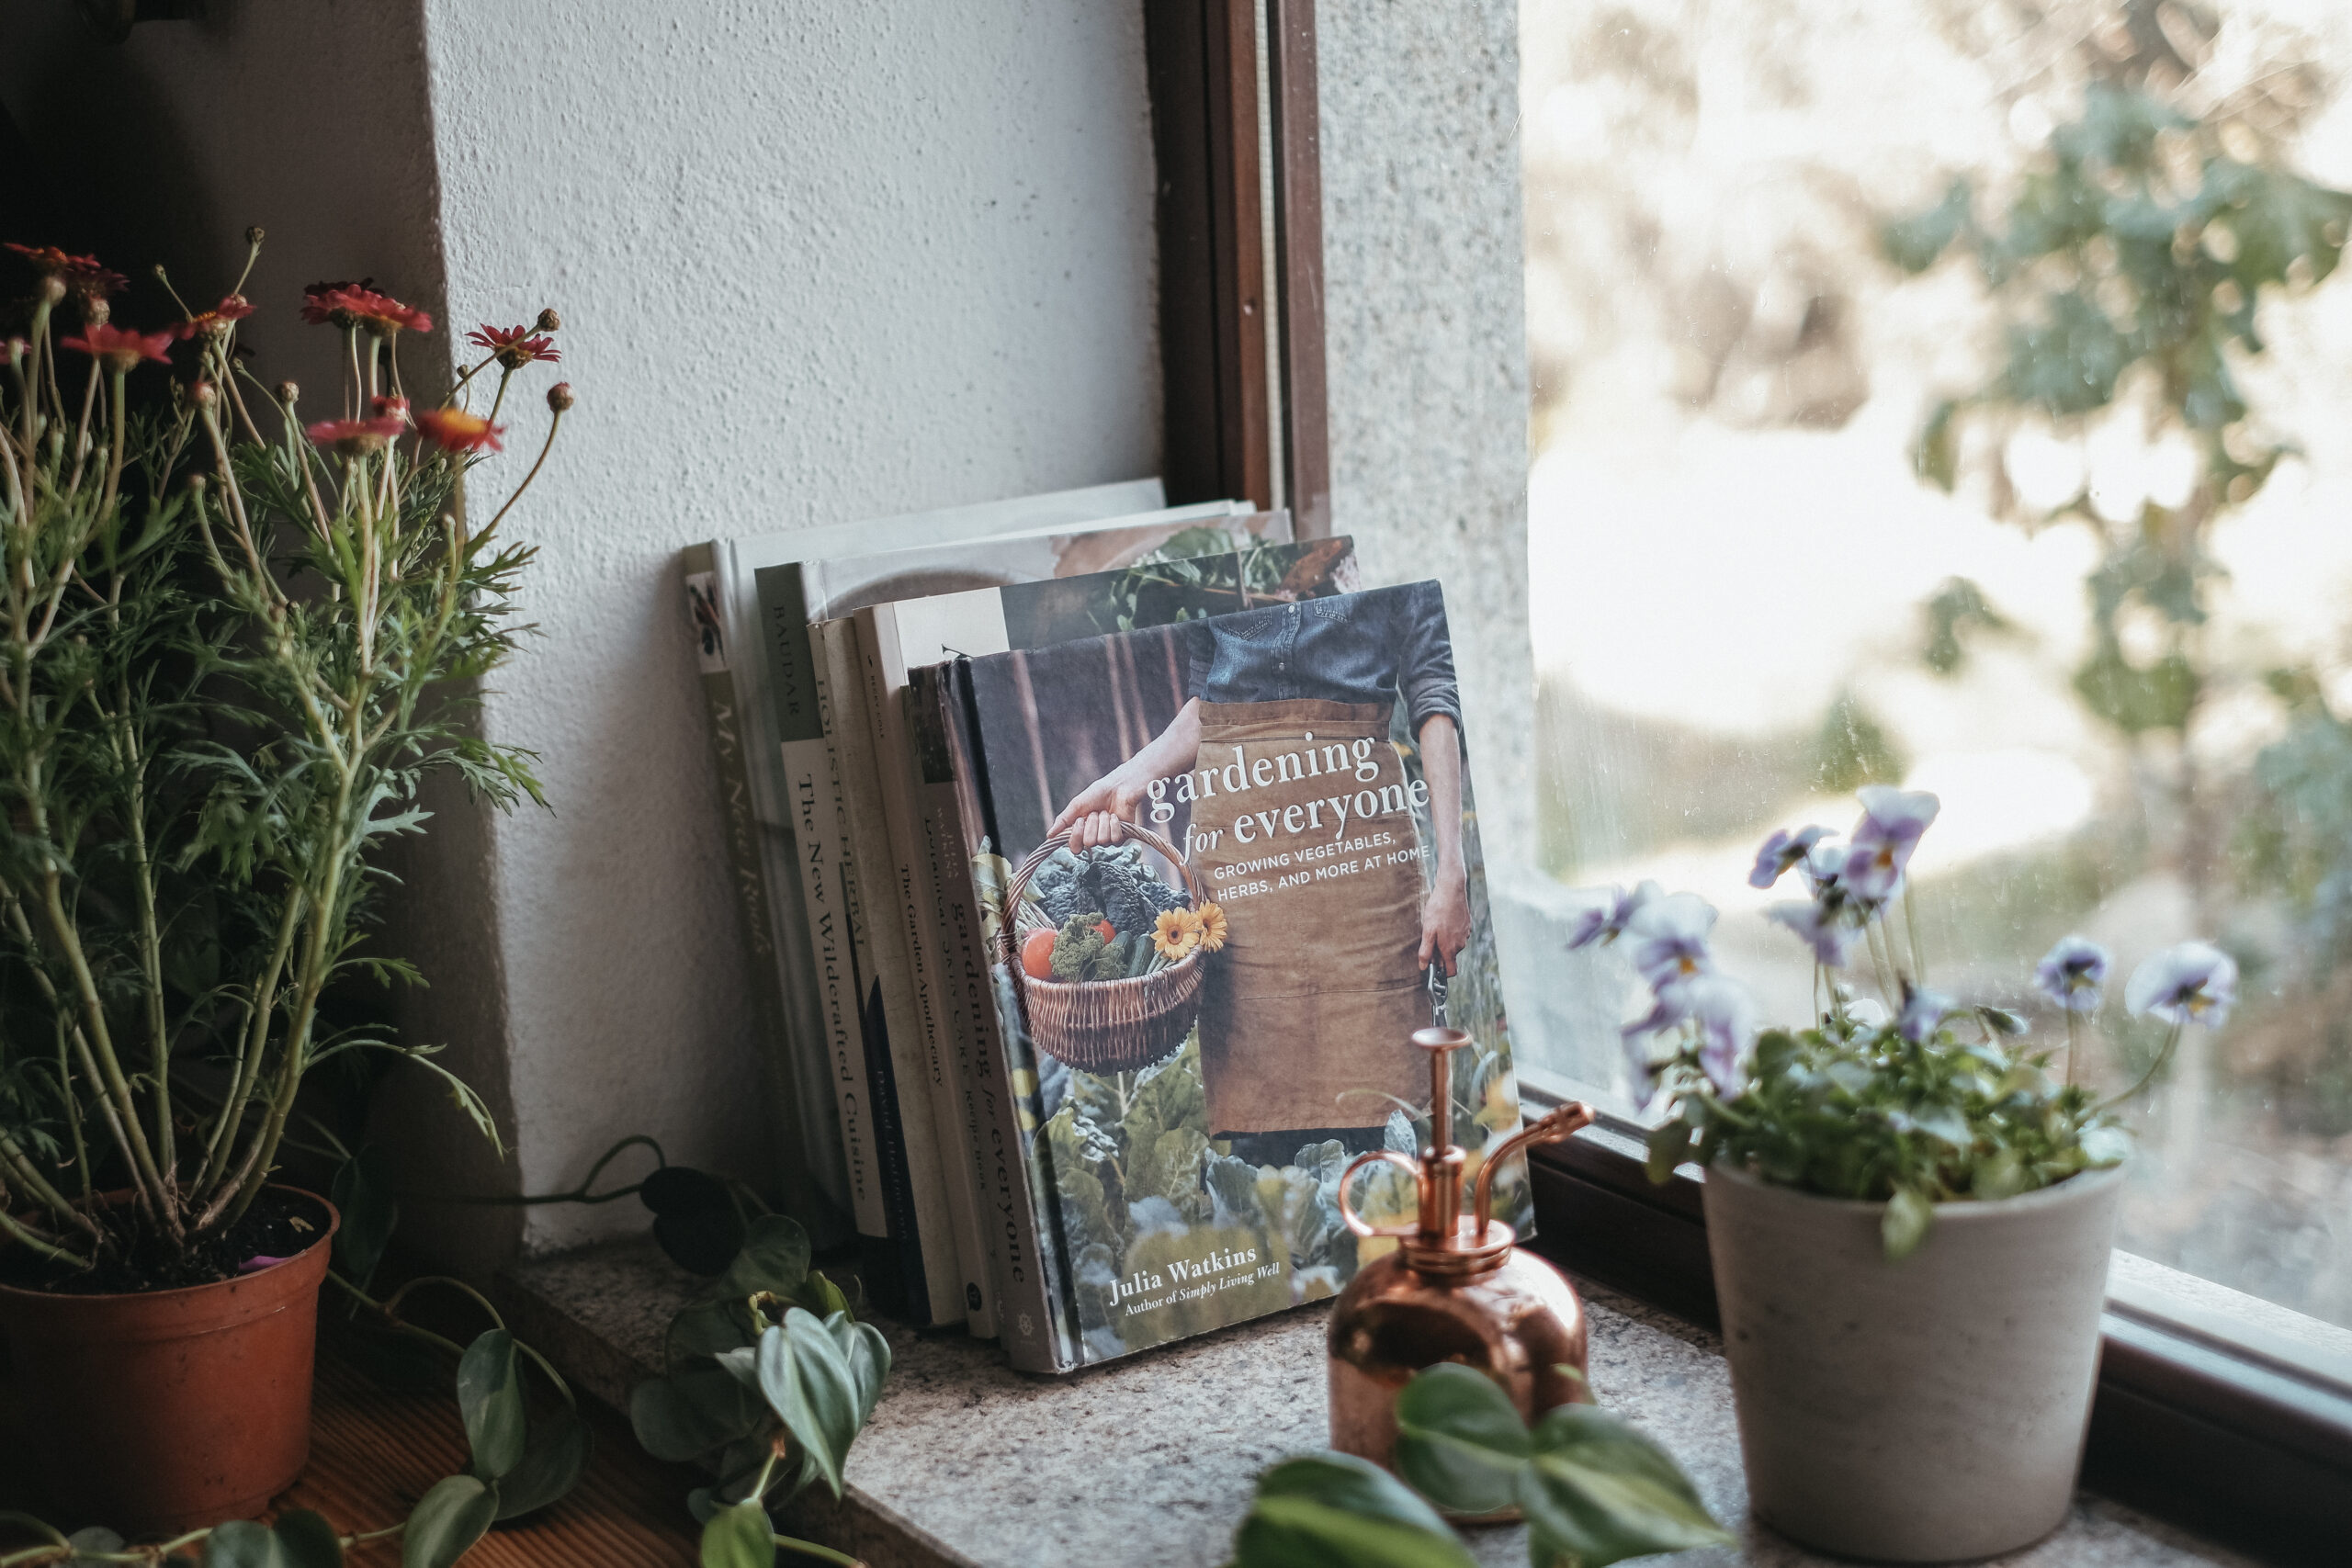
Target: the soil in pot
pixel 164 1410
pixel 1928 1409
pixel 281 1224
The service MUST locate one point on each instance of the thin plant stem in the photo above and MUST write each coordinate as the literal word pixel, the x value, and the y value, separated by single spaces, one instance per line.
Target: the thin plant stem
pixel 2172 1043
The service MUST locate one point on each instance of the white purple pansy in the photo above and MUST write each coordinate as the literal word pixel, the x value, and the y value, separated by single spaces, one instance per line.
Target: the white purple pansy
pixel 1608 911
pixel 2193 982
pixel 1823 927
pixel 2074 974
pixel 1924 1012
pixel 1670 1005
pixel 1726 1014
pixel 1669 936
pixel 1882 840
pixel 1781 851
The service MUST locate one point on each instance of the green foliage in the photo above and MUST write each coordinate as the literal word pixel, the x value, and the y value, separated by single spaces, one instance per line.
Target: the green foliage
pixel 1593 1489
pixel 769 1379
pixel 2128 268
pixel 1954 614
pixel 1852 749
pixel 1852 1109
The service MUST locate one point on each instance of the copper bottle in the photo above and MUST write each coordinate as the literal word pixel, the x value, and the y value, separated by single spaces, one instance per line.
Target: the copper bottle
pixel 1455 1288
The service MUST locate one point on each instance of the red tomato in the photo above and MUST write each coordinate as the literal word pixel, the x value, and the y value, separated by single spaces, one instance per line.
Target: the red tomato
pixel 1110 932
pixel 1037 955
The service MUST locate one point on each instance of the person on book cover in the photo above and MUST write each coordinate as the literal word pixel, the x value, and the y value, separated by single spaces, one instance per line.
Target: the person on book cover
pixel 1302 824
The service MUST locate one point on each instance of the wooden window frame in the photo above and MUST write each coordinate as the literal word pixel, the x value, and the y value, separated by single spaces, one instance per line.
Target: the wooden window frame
pixel 1236 138
pixel 2243 1446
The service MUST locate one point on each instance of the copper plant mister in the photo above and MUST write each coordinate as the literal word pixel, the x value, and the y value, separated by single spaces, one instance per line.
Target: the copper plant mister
pixel 1455 1288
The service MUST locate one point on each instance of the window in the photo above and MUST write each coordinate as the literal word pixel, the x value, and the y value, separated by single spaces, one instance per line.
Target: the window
pixel 2118 645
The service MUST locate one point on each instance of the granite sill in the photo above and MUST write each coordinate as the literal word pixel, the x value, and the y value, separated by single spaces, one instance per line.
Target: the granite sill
pixel 968 1464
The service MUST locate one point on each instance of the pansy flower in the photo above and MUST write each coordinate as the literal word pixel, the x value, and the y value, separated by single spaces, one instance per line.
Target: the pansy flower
pixel 453 429
pixel 2074 974
pixel 1607 913
pixel 1669 938
pixel 1782 851
pixel 2194 982
pixel 1823 926
pixel 1924 1012
pixel 119 349
pixel 1882 843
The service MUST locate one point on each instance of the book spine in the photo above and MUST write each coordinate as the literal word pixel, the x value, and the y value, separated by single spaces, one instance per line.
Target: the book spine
pixel 724 669
pixel 888 969
pixel 811 780
pixel 915 875
pixel 1004 1195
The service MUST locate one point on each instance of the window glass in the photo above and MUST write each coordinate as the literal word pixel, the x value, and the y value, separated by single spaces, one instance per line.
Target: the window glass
pixel 2103 608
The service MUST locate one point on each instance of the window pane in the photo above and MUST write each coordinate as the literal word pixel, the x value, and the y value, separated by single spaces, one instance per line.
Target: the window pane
pixel 2104 611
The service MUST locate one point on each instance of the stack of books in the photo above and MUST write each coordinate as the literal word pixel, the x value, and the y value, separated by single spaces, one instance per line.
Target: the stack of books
pixel 1097 859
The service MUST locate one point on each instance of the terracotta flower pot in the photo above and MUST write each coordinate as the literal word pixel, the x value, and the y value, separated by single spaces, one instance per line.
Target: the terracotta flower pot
pixel 1920 1411
pixel 162 1411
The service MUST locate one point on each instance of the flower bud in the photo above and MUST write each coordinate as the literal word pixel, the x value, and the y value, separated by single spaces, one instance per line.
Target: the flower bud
pixel 287 393
pixel 196 483
pixel 253 235
pixel 51 289
pixel 549 321
pixel 559 395
pixel 96 312
pixel 203 394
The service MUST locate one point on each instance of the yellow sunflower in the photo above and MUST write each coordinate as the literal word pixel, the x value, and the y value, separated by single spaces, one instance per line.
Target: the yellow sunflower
pixel 1212 922
pixel 1176 934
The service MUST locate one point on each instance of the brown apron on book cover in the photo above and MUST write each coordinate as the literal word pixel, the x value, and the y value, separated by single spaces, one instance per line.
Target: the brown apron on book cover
pixel 1317 989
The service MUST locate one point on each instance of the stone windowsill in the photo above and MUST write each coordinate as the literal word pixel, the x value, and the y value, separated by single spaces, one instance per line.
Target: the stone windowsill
pixel 968 1464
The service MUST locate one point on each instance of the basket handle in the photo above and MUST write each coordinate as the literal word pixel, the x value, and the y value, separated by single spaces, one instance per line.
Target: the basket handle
pixel 1044 851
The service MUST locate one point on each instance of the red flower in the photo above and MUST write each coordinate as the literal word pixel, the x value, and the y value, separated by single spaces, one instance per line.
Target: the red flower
pixel 83 276
pixel 356 305
pixel 515 346
pixel 119 348
pixel 356 437
pixel 453 429
pixel 323 302
pixel 215 321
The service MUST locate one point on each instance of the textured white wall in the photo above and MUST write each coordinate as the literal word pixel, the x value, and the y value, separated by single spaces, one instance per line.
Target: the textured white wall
pixel 816 261
pixel 1425 312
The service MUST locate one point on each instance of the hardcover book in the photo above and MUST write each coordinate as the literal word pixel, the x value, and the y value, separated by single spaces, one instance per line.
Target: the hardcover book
pixel 1225 869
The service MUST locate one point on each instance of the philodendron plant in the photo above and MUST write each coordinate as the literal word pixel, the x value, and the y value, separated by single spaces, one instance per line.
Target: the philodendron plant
pixel 1910 1098
pixel 1592 1489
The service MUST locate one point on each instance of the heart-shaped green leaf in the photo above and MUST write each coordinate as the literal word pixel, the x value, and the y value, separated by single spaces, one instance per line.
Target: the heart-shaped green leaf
pixel 708 1329
pixel 305 1540
pixel 809 1386
pixel 241 1543
pixel 363 1192
pixel 1322 1509
pixel 1905 1224
pixel 1460 1441
pixel 689 1414
pixel 552 1466
pixel 740 1537
pixel 1601 1490
pixel 867 1350
pixel 774 1258
pixel 490 1398
pixel 446 1521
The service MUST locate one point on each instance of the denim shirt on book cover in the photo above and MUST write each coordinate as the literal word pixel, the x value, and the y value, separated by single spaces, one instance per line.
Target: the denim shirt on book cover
pixel 1358 648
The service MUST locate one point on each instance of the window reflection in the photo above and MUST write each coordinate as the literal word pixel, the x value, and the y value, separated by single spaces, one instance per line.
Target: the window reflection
pixel 2104 609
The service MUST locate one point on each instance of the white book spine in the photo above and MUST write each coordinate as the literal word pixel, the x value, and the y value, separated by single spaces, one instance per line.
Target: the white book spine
pixel 839 667
pixel 914 879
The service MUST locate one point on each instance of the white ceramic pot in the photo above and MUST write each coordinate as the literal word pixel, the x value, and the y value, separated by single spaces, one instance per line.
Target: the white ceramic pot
pixel 1922 1411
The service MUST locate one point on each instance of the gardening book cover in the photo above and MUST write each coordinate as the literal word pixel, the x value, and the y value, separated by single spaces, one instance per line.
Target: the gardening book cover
pixel 1204 1021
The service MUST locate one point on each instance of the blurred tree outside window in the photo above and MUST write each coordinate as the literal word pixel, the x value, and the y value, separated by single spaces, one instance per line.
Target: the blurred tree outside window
pixel 1956 392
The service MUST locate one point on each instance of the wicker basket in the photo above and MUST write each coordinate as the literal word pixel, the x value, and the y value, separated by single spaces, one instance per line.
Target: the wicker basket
pixel 1104 1026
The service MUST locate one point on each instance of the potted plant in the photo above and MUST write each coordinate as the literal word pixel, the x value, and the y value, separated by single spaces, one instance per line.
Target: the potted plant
pixel 225 642
pixel 1909 1210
